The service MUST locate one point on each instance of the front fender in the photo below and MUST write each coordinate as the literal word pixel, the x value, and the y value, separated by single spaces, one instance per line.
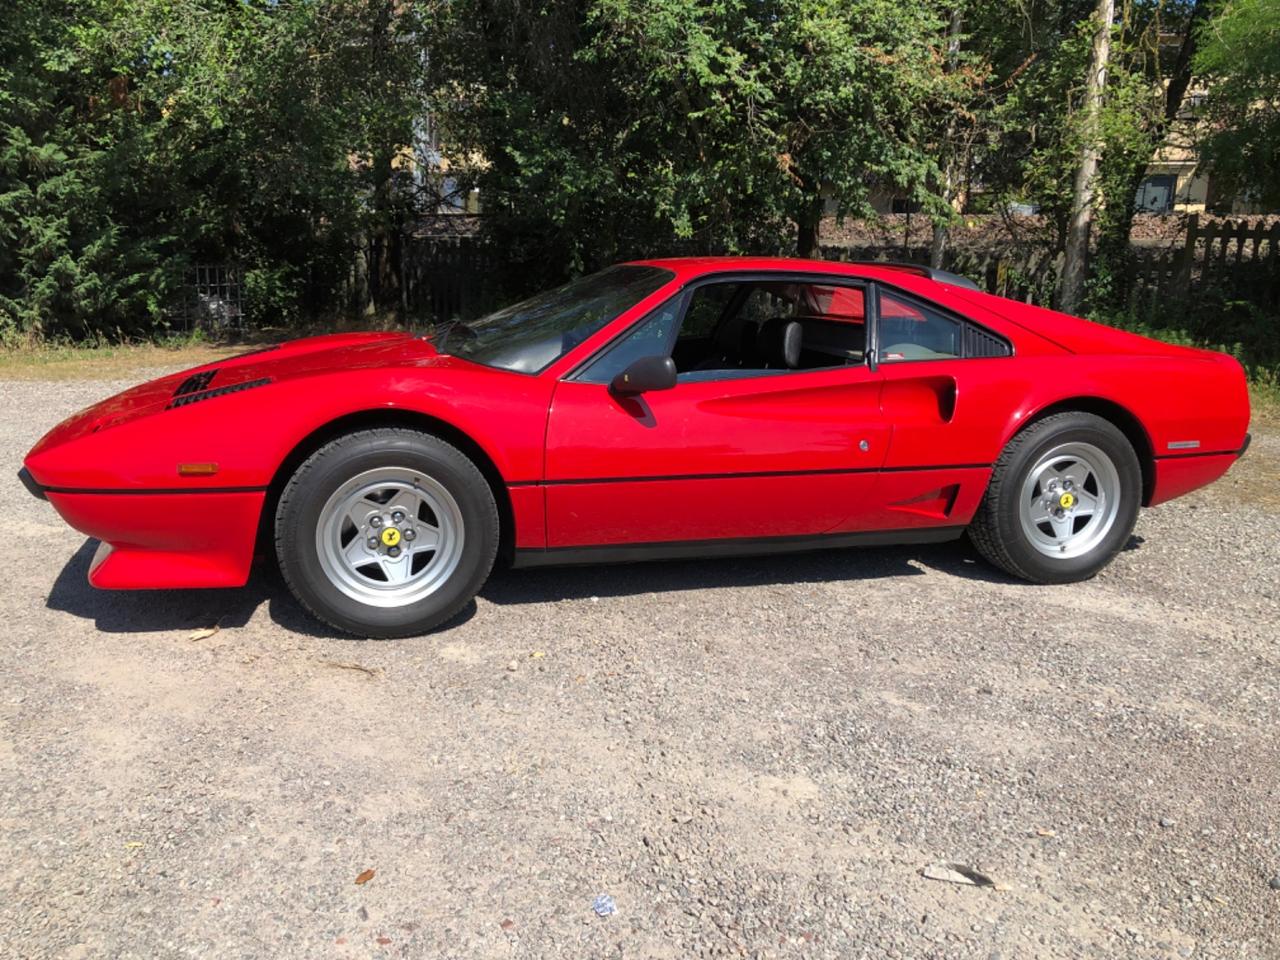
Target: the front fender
pixel 248 434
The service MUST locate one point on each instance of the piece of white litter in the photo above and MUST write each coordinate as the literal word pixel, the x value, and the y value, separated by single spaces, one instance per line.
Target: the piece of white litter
pixel 956 873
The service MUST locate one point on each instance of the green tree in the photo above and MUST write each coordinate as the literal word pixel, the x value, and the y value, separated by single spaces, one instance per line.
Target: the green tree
pixel 1027 142
pixel 1152 71
pixel 142 135
pixel 67 262
pixel 1036 126
pixel 612 128
pixel 1240 57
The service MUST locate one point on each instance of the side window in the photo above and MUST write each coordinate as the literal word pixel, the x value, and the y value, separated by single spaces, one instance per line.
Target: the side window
pixel 746 328
pixel 839 303
pixel 911 331
pixel 651 337
pixel 706 307
pixel 765 301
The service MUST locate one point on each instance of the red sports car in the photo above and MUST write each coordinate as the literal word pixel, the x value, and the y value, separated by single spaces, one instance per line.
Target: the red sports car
pixel 662 408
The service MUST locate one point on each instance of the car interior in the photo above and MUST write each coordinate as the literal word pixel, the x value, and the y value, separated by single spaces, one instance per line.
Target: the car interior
pixel 758 328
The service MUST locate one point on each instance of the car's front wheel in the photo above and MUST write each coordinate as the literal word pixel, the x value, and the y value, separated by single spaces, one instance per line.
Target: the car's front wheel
pixel 386 532
pixel 1062 501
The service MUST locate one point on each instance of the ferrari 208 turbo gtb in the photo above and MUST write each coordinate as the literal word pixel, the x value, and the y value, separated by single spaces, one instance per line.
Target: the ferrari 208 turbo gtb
pixel 690 407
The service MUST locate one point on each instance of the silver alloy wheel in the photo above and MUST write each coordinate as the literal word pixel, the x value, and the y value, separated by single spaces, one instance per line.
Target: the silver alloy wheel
pixel 390 536
pixel 1069 500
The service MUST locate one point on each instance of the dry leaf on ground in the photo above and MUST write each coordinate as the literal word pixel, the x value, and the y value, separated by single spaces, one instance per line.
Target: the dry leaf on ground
pixel 358 667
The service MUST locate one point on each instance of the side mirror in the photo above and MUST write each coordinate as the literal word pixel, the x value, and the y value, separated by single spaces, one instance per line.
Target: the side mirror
pixel 645 374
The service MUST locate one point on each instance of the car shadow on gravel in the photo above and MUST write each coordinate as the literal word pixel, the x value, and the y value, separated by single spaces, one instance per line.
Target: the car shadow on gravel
pixel 152 611
pixel 957 558
pixel 156 611
pixel 865 563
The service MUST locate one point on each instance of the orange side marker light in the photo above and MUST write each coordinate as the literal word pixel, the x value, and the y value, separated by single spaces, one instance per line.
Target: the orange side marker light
pixel 197 469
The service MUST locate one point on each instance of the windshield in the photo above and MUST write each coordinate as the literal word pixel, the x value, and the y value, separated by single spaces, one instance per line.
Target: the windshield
pixel 531 335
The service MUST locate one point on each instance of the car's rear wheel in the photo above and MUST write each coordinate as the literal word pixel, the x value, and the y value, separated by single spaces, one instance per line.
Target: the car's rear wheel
pixel 1062 501
pixel 386 532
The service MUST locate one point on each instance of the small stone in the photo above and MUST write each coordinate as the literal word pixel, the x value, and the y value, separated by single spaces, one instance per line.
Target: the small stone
pixel 1274 883
pixel 1168 822
pixel 513 666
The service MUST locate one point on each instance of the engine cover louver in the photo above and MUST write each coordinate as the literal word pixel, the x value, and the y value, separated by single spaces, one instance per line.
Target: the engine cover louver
pixel 979 343
pixel 195 383
pixel 190 398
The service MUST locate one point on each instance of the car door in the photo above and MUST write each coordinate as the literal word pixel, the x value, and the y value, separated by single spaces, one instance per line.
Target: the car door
pixel 745 453
pixel 948 389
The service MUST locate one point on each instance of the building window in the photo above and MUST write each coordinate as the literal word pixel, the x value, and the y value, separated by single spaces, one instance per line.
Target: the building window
pixel 1155 194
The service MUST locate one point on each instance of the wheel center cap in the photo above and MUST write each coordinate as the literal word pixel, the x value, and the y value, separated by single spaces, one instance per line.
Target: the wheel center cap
pixel 1066 502
pixel 390 536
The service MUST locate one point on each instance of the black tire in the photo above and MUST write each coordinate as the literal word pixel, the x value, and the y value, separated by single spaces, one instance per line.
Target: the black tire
pixel 996 529
pixel 325 471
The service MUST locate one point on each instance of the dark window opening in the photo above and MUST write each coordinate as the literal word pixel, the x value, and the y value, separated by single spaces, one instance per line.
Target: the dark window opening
pixel 747 328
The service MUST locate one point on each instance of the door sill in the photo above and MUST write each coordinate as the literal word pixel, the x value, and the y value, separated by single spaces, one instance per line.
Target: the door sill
pixel 736 547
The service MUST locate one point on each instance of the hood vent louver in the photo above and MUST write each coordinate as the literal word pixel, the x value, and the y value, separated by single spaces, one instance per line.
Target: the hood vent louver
pixel 186 399
pixel 195 383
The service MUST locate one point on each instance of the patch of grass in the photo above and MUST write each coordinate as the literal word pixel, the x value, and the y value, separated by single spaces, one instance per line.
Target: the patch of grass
pixel 105 360
pixel 104 363
pixel 1265 405
pixel 102 358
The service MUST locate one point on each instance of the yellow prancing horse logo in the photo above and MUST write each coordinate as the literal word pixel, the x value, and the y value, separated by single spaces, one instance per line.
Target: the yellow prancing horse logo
pixel 390 536
pixel 1066 501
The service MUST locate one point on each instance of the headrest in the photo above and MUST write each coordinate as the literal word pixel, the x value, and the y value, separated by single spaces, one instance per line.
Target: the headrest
pixel 778 342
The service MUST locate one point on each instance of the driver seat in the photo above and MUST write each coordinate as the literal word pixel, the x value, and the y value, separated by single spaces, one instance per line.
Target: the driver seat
pixel 779 342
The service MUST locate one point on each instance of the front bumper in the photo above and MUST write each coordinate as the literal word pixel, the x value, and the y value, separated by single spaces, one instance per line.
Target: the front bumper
pixel 166 540
pixel 29 482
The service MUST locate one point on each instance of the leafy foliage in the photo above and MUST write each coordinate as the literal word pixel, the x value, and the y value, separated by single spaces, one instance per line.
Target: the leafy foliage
pixel 607 129
pixel 138 137
pixel 143 135
pixel 1240 54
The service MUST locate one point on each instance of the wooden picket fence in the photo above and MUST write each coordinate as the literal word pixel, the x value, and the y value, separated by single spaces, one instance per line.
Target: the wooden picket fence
pixel 1229 261
pixel 459 277
pixel 1028 276
pixel 1233 260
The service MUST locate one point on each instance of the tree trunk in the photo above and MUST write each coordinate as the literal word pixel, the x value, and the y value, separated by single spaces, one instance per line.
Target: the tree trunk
pixel 1080 223
pixel 942 230
pixel 384 272
pixel 1113 241
pixel 807 228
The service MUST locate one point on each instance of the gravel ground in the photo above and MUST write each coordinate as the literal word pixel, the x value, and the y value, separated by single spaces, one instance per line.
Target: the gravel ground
pixel 751 757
